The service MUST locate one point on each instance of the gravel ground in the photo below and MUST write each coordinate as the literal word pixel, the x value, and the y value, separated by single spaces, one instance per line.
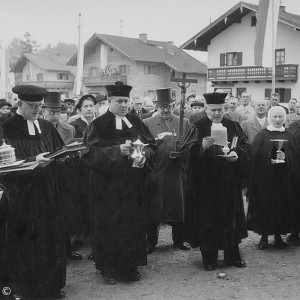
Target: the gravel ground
pixel 176 274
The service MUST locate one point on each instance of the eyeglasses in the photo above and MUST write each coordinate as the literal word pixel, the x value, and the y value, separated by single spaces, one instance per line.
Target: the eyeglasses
pixel 33 105
pixel 54 112
pixel 166 107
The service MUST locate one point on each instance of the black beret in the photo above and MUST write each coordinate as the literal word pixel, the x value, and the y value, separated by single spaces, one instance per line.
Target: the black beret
pixel 118 89
pixel 85 97
pixel 164 96
pixel 31 93
pixel 197 104
pixel 100 98
pixel 52 99
pixel 215 98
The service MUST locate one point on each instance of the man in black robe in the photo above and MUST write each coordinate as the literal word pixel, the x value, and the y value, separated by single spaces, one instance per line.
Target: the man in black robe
pixel 36 252
pixel 215 215
pixel 117 188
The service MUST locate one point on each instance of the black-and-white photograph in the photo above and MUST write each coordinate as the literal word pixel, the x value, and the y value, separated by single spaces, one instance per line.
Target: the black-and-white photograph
pixel 149 150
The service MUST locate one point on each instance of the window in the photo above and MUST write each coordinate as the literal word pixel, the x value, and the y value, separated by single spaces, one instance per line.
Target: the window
pixel 39 77
pixel 62 76
pixel 253 21
pixel 231 59
pixel 152 95
pixel 279 56
pixel 124 70
pixel 152 69
pixel 285 94
pixel 93 71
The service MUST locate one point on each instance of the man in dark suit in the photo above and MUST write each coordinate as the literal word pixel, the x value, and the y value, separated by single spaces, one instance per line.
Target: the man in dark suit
pixel 138 108
pixel 275 99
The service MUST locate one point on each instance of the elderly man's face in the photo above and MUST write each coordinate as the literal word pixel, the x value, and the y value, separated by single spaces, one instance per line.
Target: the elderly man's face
pixel 215 112
pixel 261 107
pixel 165 111
pixel 297 108
pixel 232 104
pixel 245 99
pixel 118 105
pixel 274 100
pixel 30 110
pixel 52 114
pixel 197 108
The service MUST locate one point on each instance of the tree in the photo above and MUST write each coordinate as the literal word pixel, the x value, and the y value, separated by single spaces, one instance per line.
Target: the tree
pixel 29 45
pixel 16 50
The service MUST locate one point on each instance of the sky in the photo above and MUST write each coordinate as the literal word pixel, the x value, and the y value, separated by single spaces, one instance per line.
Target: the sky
pixel 54 21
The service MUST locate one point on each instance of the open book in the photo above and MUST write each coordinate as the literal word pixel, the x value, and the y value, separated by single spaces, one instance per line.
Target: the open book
pixel 76 146
pixel 19 166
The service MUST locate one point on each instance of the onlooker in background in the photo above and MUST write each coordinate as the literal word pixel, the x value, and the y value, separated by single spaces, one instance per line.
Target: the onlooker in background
pixel 275 99
pixel 245 109
pixel 86 108
pixel 189 100
pixel 101 101
pixel 232 115
pixel 233 103
pixel 151 108
pixel 290 118
pixel 70 105
pixel 252 126
pixel 138 108
pixel 292 105
pixel 197 107
pixel 4 107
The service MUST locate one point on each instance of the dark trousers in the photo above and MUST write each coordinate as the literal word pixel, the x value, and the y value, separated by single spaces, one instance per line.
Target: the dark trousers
pixel 153 232
pixel 210 255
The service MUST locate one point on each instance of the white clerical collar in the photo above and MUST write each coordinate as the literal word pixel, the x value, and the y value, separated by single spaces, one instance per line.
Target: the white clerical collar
pixel 272 128
pixel 30 125
pixel 85 120
pixel 119 122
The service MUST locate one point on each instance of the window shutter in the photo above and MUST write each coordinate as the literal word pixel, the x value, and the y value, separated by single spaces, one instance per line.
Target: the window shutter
pixel 222 59
pixel 146 69
pixel 239 58
pixel 128 69
pixel 287 95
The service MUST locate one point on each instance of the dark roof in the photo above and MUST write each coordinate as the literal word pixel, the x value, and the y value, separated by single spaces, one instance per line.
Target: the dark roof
pixel 46 62
pixel 151 51
pixel 201 40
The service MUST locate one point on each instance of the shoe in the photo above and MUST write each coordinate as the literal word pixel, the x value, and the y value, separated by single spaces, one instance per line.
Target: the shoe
pixel 56 295
pixel 278 242
pixel 150 249
pixel 263 243
pixel 208 267
pixel 181 246
pixel 293 237
pixel 238 263
pixel 74 256
pixel 90 257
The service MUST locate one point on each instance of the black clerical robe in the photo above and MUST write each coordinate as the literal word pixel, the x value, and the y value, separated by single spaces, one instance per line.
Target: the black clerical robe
pixel 36 252
pixel 117 192
pixel 214 214
pixel 273 206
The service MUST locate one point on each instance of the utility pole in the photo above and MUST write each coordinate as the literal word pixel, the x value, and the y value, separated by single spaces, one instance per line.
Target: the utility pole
pixel 121 26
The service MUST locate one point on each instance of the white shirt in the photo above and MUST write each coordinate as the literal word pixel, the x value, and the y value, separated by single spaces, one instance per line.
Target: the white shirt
pixel 119 122
pixel 261 121
pixel 30 126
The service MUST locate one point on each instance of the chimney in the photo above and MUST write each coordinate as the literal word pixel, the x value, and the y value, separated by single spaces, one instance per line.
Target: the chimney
pixel 143 37
pixel 282 8
pixel 170 48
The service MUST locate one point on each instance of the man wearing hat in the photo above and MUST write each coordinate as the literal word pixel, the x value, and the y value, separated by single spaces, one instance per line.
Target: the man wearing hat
pixel 117 188
pixel 164 184
pixel 214 211
pixel 51 112
pixel 69 104
pixel 101 105
pixel 36 245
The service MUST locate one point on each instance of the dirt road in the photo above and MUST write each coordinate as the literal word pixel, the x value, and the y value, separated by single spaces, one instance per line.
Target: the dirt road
pixel 175 274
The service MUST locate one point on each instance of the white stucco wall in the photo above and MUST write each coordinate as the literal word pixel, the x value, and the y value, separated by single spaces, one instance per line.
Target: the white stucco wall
pixel 240 37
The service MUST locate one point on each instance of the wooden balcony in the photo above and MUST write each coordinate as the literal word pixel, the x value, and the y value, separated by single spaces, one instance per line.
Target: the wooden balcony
pixel 51 85
pixel 232 74
pixel 103 80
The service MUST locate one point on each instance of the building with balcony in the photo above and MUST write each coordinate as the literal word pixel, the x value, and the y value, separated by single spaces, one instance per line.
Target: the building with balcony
pixel 144 64
pixel 47 71
pixel 229 42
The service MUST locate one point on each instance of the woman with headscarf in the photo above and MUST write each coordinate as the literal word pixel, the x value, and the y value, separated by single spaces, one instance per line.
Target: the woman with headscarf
pixel 272 181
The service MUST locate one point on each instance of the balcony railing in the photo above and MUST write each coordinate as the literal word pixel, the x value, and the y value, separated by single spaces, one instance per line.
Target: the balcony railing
pixel 283 72
pixel 103 80
pixel 57 85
